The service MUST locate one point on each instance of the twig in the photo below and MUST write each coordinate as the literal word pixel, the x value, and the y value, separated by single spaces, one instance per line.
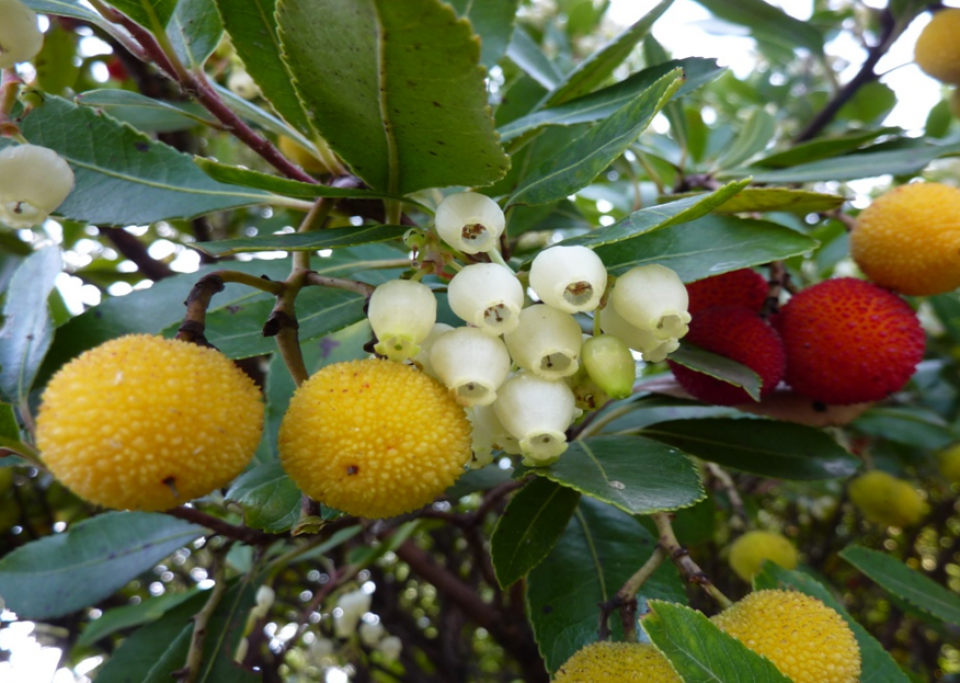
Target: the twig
pixel 362 288
pixel 626 598
pixel 238 533
pixel 684 563
pixel 730 488
pixel 194 324
pixel 201 623
pixel 136 251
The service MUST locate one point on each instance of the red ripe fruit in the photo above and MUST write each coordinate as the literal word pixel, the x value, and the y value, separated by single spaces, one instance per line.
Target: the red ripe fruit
pixel 739 334
pixel 742 287
pixel 849 341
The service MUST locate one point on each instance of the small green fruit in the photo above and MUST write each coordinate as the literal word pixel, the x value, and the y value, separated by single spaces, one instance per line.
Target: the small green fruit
pixel 610 364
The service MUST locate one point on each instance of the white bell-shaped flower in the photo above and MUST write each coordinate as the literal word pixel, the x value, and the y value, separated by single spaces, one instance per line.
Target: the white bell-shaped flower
pixel 390 647
pixel 370 634
pixel 350 607
pixel 572 279
pixel 34 181
pixel 472 364
pixel 646 342
pixel 470 222
pixel 242 84
pixel 546 342
pixel 653 298
pixel 489 434
pixel 536 412
pixel 423 357
pixel 265 597
pixel 401 313
pixel 488 296
pixel 20 36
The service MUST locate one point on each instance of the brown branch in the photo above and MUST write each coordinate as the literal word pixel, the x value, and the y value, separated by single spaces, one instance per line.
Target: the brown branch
pixel 361 288
pixel 238 533
pixel 689 569
pixel 135 250
pixel 194 324
pixel 626 598
pixel 201 624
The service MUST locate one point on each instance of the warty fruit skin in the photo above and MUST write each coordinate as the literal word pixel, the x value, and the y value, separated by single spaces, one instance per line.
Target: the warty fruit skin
pixel 849 341
pixel 742 287
pixel 605 662
pixel 908 239
pixel 805 639
pixel 374 438
pixel 748 553
pixel 937 50
pixel 885 499
pixel 146 423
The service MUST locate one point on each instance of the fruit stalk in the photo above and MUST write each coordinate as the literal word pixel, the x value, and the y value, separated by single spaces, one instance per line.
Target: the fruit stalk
pixel 201 621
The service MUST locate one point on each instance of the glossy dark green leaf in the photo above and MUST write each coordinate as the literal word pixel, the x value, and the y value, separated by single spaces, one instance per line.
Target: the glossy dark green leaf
pixel 145 112
pixel 878 665
pixel 765 199
pixel 333 238
pixel 123 176
pixel 478 480
pixel 766 447
pixel 252 27
pixel 27 331
pixel 529 528
pixel 493 21
pixel 270 499
pixel 589 155
pixel 947 308
pixel 9 428
pixel 406 111
pixel 195 31
pixel 768 23
pixel 870 104
pixel 602 103
pixel 658 217
pixel 702 653
pixel 60 574
pixel 152 14
pixel 525 53
pixel 913 426
pixel 707 246
pixel 67 8
pixel 121 618
pixel 636 474
pixel 907 584
pixel 596 68
pixel 822 148
pixel 718 367
pixel 757 132
pixel 600 549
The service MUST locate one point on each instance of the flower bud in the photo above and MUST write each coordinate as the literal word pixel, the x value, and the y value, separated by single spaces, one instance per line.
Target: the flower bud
pixel 390 647
pixel 370 634
pixel 265 598
pixel 653 298
pixel 488 296
pixel 20 36
pixel 537 412
pixel 546 342
pixel 423 356
pixel 588 394
pixel 242 84
pixel 34 181
pixel 488 434
pixel 470 222
pixel 351 606
pixel 472 364
pixel 402 314
pixel 653 349
pixel 572 279
pixel 610 364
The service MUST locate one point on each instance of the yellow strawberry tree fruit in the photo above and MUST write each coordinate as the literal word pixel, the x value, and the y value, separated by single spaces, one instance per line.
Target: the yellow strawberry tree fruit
pixel 619 662
pixel 885 499
pixel 748 553
pixel 374 438
pixel 808 641
pixel 909 239
pixel 949 461
pixel 146 423
pixel 322 161
pixel 937 51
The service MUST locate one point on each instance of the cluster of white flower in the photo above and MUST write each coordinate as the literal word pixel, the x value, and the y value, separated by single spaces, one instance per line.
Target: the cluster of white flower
pixel 517 367
pixel 34 181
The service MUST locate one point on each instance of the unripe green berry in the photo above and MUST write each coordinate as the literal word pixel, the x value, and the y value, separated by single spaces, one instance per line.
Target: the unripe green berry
pixel 610 364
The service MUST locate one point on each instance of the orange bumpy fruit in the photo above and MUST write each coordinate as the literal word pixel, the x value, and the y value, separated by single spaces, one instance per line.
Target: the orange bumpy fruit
pixel 146 423
pixel 909 238
pixel 937 51
pixel 617 663
pixel 885 499
pixel 374 438
pixel 749 551
pixel 805 639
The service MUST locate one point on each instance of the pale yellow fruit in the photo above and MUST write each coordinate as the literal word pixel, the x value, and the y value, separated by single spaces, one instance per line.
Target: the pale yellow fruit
pixel 310 162
pixel 748 553
pixel 805 639
pixel 146 423
pixel 909 239
pixel 937 51
pixel 886 500
pixel 949 461
pixel 374 438
pixel 617 663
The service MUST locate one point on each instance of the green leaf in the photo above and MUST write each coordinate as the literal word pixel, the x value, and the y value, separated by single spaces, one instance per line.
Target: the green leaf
pixel 757 132
pixel 768 23
pixel 718 367
pixel 137 109
pixel 589 155
pixel 596 68
pixel 270 499
pixel 525 53
pixel 907 584
pixel 493 21
pixel 702 653
pixel 822 148
pixel 766 447
pixel 56 69
pixel 878 665
pixel 406 111
pixel 60 574
pixel 260 116
pixel 870 104
pixel 252 27
pixel 766 199
pixel 529 528
pixel 658 217
pixel 913 426
pixel 636 474
pixel 707 246
pixel 602 103
pixel 333 238
pixel 68 8
pixel 151 14
pixel 27 331
pixel 947 308
pixel 601 548
pixel 9 427
pixel 128 616
pixel 122 175
pixel 195 31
